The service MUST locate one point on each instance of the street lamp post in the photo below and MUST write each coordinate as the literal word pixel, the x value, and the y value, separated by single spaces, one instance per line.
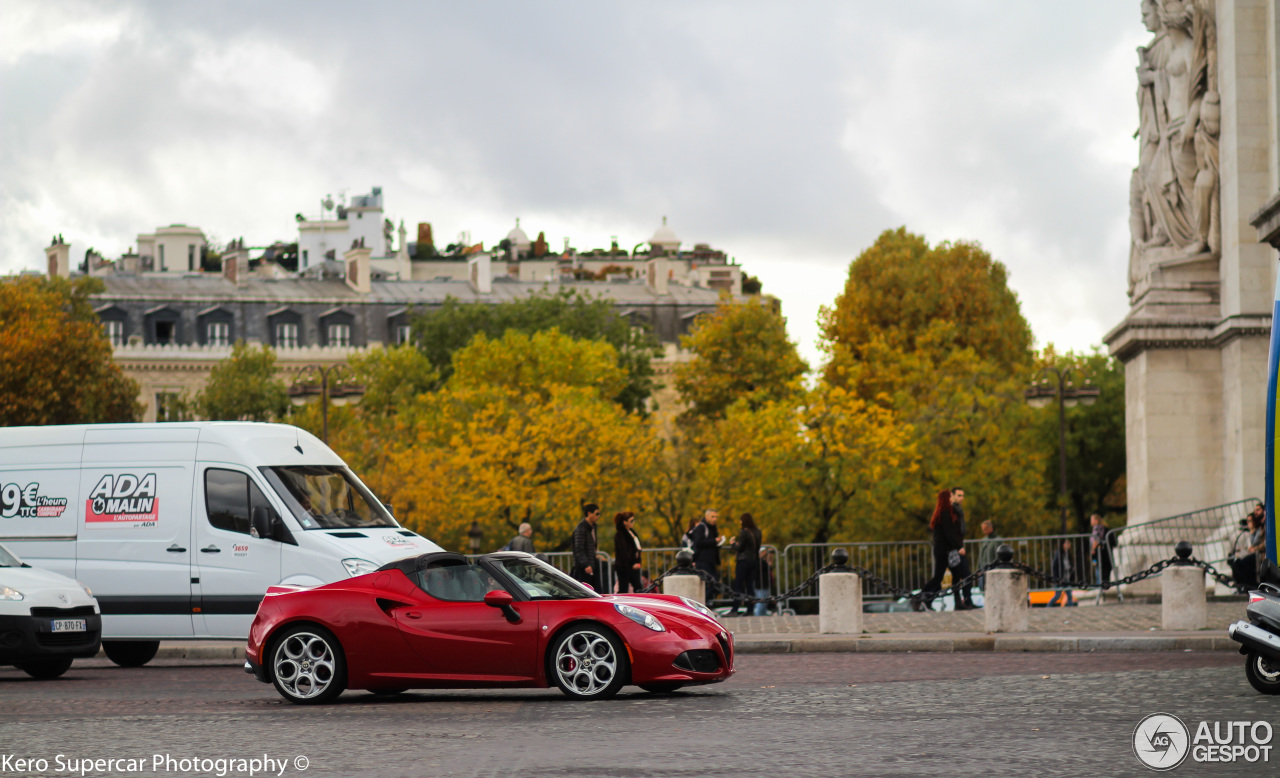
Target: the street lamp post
pixel 330 388
pixel 1039 395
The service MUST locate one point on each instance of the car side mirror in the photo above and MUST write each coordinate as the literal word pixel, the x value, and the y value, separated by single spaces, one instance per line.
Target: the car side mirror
pixel 264 522
pixel 502 600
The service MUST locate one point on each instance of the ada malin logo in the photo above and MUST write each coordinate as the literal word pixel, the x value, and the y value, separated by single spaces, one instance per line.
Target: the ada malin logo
pixel 1161 741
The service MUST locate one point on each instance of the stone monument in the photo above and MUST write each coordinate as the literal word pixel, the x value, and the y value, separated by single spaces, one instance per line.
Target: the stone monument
pixel 1194 344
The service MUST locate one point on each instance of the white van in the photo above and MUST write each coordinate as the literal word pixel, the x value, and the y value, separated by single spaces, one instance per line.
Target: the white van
pixel 179 528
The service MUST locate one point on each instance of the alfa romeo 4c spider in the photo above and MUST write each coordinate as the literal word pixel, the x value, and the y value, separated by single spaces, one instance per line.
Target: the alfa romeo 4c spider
pixel 445 621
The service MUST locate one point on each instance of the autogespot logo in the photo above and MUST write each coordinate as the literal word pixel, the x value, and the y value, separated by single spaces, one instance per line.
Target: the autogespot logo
pixel 1161 741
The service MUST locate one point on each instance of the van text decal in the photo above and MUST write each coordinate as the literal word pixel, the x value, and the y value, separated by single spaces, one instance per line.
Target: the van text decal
pixel 123 500
pixel 28 503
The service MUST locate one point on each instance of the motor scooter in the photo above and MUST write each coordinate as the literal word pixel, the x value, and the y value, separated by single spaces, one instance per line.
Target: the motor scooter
pixel 1259 639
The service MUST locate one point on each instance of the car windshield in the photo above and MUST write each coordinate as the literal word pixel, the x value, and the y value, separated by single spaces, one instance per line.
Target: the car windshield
pixel 7 559
pixel 327 497
pixel 541 581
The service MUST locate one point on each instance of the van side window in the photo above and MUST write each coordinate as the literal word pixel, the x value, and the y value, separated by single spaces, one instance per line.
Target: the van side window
pixel 229 499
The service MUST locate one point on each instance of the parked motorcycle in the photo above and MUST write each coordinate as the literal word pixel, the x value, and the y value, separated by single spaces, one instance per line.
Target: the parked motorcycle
pixel 1259 639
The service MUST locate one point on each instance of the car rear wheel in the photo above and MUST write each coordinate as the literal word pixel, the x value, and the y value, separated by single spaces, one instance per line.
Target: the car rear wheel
pixel 131 653
pixel 588 663
pixel 1263 673
pixel 661 687
pixel 307 665
pixel 45 669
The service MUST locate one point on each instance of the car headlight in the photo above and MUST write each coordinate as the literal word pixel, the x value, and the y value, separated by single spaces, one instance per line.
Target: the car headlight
pixel 358 567
pixel 9 594
pixel 643 618
pixel 87 590
pixel 699 607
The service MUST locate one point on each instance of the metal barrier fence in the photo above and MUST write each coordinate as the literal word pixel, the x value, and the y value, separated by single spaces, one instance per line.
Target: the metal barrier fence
pixel 657 561
pixel 1211 531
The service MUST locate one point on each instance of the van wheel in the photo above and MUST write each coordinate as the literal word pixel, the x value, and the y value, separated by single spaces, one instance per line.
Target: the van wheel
pixel 131 653
pixel 44 669
pixel 307 665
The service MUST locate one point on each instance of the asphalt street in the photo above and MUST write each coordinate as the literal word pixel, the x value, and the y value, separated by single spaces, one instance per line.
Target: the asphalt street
pixel 792 715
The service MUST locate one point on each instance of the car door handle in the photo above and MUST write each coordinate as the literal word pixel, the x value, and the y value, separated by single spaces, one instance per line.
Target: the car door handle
pixel 176 549
pixel 413 615
pixel 210 550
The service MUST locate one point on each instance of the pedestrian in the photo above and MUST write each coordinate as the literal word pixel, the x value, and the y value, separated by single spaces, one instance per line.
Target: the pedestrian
pixel 987 551
pixel 626 552
pixel 645 580
pixel 764 580
pixel 1243 561
pixel 746 561
pixel 523 541
pixel 706 549
pixel 1100 541
pixel 584 546
pixel 948 554
pixel 1061 569
pixel 1258 545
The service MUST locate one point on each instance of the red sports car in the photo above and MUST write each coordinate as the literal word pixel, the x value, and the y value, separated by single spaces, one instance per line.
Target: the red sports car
pixel 443 621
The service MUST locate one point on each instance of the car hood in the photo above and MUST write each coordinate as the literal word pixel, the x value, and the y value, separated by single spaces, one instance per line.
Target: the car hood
pixel 43 587
pixel 660 605
pixel 380 545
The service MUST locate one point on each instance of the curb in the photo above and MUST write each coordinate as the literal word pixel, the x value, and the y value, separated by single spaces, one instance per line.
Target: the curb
pixel 982 643
pixel 231 651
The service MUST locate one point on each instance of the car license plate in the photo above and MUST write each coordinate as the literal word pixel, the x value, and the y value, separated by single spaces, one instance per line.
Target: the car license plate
pixel 69 625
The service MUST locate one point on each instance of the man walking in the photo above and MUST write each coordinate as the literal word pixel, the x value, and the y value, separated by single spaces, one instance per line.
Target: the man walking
pixel 584 546
pixel 964 595
pixel 706 548
pixel 523 541
pixel 1099 550
pixel 987 554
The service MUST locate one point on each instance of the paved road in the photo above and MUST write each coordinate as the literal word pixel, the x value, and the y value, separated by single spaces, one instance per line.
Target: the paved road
pixel 792 715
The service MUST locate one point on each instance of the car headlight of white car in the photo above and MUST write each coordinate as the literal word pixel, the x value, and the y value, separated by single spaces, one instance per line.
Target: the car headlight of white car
pixel 357 567
pixel 643 618
pixel 699 607
pixel 9 594
pixel 87 590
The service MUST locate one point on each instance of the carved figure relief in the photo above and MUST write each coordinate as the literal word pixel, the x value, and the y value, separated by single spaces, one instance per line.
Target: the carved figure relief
pixel 1174 192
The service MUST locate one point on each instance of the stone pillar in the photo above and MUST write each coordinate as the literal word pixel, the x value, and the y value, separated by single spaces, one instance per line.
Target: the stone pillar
pixel 840 603
pixel 1005 601
pixel 690 586
pixel 1183 602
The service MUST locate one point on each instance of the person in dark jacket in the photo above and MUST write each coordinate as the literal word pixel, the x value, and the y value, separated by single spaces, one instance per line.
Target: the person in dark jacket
pixel 746 561
pixel 706 548
pixel 626 552
pixel 584 546
pixel 1062 569
pixel 948 537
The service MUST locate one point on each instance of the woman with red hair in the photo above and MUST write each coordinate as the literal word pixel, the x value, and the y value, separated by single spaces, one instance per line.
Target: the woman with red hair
pixel 948 553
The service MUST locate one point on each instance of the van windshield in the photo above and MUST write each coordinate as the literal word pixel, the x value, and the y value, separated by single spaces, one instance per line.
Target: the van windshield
pixel 327 497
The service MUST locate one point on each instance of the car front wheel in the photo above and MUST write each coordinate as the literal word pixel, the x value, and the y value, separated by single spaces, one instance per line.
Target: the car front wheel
pixel 307 665
pixel 1263 673
pixel 45 669
pixel 588 663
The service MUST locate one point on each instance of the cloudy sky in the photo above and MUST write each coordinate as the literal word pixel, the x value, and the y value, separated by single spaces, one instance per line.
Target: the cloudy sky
pixel 788 135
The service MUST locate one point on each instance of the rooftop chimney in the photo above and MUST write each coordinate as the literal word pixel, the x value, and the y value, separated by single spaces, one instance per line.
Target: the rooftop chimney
pixel 357 260
pixel 657 274
pixel 59 256
pixel 480 272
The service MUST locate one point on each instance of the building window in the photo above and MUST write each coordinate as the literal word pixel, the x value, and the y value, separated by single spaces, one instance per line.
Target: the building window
pixel 114 331
pixel 218 333
pixel 162 267
pixel 404 333
pixel 191 258
pixel 286 335
pixel 166 332
pixel 167 406
pixel 304 257
pixel 339 334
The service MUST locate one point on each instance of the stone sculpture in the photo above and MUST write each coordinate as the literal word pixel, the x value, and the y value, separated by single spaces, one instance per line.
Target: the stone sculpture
pixel 1174 196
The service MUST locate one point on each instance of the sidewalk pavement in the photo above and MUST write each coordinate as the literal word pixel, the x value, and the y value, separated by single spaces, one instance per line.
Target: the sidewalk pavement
pixel 1111 627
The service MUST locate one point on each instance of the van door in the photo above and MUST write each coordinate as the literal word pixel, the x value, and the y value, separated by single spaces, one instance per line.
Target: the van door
pixel 234 568
pixel 134 548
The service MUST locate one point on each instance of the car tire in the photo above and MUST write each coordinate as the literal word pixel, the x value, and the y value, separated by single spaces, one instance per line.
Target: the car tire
pixel 46 669
pixel 131 653
pixel 588 662
pixel 661 688
pixel 307 665
pixel 1263 673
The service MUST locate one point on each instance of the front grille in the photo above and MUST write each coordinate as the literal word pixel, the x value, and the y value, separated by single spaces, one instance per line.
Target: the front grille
pixel 62 613
pixel 699 660
pixel 66 638
pixel 724 646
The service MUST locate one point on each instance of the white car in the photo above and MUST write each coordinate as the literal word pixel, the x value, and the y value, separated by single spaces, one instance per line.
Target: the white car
pixel 46 619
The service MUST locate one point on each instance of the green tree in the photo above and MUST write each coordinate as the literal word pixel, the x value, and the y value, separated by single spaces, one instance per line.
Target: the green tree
pixel 741 351
pixel 56 364
pixel 243 387
pixel 441 333
pixel 393 379
pixel 1095 437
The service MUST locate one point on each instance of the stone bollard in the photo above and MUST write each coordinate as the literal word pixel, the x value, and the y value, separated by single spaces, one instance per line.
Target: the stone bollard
pixel 840 603
pixel 1182 601
pixel 690 586
pixel 1005 601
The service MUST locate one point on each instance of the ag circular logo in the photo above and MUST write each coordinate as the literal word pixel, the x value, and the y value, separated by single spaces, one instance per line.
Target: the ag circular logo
pixel 99 505
pixel 1161 741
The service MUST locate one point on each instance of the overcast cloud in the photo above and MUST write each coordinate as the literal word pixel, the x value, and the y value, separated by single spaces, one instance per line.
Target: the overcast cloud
pixel 789 135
